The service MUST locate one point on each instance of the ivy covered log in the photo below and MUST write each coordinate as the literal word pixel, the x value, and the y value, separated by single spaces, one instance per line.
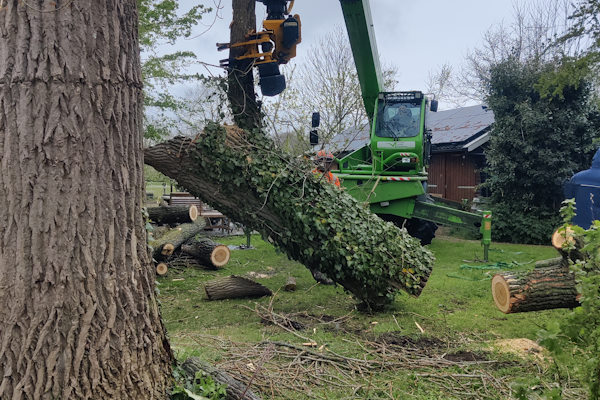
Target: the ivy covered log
pixel 173 214
pixel 542 288
pixel 245 176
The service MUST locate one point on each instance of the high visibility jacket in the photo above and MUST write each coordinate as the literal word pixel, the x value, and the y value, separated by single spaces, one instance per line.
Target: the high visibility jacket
pixel 331 178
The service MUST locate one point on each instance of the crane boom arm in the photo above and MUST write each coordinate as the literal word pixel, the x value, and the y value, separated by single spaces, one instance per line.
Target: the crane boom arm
pixel 359 24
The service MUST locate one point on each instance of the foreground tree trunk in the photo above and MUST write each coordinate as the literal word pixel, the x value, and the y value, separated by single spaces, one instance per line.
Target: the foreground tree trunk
pixel 311 220
pixel 79 318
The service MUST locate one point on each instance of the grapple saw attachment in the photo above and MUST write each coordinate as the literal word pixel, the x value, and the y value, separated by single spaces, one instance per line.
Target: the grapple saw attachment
pixel 274 45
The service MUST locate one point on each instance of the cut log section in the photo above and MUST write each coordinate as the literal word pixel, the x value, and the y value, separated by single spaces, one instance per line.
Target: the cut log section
pixel 162 269
pixel 234 287
pixel 172 240
pixel 539 289
pixel 209 253
pixel 562 236
pixel 235 389
pixel 173 214
pixel 290 285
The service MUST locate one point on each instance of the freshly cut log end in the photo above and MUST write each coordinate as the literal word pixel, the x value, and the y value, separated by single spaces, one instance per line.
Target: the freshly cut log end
pixel 562 236
pixel 161 269
pixel 193 213
pixel 234 287
pixel 211 254
pixel 539 289
pixel 220 256
pixel 501 293
pixel 168 249
pixel 173 214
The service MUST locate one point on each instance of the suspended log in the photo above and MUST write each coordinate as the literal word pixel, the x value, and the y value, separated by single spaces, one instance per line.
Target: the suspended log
pixel 234 287
pixel 209 253
pixel 539 289
pixel 173 214
pixel 310 220
pixel 162 269
pixel 170 241
pixel 235 389
pixel 290 285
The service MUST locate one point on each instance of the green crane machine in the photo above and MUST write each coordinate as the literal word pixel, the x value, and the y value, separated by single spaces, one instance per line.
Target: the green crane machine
pixel 389 173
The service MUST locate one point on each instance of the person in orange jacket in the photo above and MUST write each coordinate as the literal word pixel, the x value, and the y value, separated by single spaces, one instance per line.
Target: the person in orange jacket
pixel 324 160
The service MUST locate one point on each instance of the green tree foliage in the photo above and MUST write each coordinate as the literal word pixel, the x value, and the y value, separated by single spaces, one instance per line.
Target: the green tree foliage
pixel 536 144
pixel 162 22
pixel 582 325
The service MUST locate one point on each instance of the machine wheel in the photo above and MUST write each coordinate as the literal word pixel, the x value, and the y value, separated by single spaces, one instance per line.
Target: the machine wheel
pixel 416 227
pixel 421 229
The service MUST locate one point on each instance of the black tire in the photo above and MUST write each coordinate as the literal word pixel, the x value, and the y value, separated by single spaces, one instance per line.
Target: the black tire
pixel 416 227
pixel 421 229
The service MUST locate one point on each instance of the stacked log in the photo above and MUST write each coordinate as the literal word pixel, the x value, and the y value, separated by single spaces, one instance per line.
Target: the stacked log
pixel 209 253
pixel 312 221
pixel 551 284
pixel 167 244
pixel 173 214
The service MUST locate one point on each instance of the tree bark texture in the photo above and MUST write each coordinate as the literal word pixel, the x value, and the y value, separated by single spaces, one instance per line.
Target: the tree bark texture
pixel 209 253
pixel 79 317
pixel 539 289
pixel 173 214
pixel 172 240
pixel 236 390
pixel 311 220
pixel 234 287
pixel 240 76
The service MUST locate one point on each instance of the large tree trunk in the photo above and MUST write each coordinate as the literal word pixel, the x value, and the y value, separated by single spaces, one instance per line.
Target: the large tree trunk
pixel 79 318
pixel 240 76
pixel 310 219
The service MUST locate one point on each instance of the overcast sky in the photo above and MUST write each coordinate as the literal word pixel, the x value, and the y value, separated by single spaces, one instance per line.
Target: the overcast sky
pixel 416 36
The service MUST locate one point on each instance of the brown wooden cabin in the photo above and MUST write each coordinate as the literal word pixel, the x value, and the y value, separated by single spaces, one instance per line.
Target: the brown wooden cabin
pixel 458 142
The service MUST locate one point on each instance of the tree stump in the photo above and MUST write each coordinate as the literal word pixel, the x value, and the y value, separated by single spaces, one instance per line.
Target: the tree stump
pixel 540 289
pixel 209 253
pixel 234 287
pixel 290 285
pixel 173 214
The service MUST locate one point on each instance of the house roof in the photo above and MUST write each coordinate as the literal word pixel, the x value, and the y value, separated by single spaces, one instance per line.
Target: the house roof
pixel 465 128
pixel 462 128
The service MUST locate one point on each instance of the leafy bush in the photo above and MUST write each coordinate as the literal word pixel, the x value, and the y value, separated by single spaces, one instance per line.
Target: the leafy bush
pixel 536 144
pixel 582 326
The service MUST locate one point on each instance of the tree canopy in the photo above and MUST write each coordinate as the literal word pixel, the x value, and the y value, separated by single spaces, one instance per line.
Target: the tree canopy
pixel 536 144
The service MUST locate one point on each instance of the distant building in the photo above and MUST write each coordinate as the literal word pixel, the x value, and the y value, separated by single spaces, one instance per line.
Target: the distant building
pixel 458 142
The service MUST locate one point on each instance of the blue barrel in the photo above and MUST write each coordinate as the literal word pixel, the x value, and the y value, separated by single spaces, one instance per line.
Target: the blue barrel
pixel 584 186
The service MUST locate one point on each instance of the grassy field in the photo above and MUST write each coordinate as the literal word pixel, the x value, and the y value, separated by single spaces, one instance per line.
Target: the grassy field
pixel 450 343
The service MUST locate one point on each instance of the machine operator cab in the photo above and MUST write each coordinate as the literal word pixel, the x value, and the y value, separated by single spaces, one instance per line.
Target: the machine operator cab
pixel 399 142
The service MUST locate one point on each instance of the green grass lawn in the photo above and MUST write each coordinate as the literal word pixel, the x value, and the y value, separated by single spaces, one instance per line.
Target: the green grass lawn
pixel 381 356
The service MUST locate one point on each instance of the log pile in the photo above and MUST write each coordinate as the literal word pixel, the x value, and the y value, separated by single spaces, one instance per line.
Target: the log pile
pixel 183 241
pixel 245 176
pixel 551 284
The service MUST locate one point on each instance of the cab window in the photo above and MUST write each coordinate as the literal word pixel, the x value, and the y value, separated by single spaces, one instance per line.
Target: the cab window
pixel 398 120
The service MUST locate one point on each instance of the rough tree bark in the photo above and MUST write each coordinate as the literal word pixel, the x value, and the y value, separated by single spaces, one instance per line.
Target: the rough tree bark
pixel 240 76
pixel 79 318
